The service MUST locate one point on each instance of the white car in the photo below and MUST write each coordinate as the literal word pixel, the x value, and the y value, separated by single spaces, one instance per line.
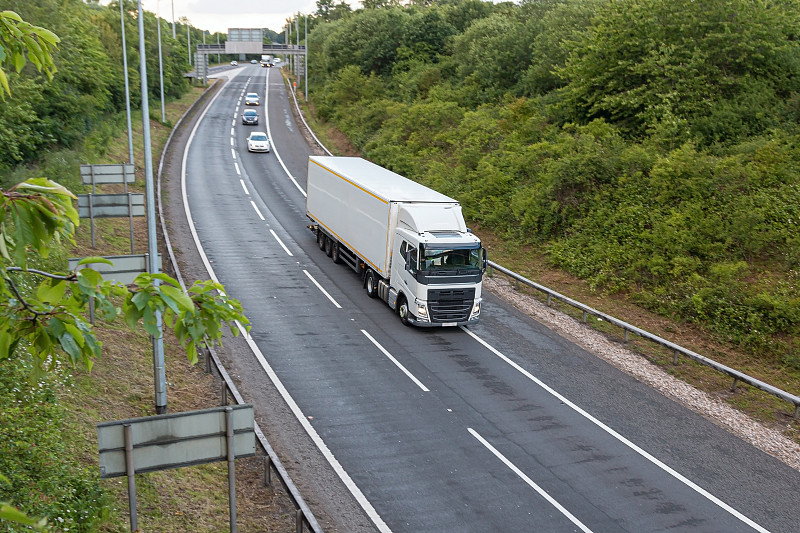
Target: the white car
pixel 258 142
pixel 234 63
pixel 251 99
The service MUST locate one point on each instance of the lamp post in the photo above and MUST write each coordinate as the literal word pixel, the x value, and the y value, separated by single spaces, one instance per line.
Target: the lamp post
pixel 160 62
pixel 127 87
pixel 159 373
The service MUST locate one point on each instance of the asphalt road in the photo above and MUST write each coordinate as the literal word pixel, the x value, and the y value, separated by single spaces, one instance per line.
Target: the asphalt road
pixel 505 426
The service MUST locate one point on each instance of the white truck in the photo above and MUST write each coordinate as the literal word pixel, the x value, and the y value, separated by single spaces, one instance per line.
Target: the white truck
pixel 408 243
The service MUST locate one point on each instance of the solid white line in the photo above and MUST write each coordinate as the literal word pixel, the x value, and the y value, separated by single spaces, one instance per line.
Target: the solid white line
pixel 689 483
pixel 396 362
pixel 269 134
pixel 236 166
pixel 244 187
pixel 530 482
pixel 323 290
pixel 298 413
pixel 257 211
pixel 285 249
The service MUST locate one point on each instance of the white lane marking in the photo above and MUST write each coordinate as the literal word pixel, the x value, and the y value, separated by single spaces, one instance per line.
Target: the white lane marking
pixel 232 132
pixel 244 187
pixel 233 122
pixel 396 362
pixel 257 211
pixel 298 413
pixel 530 482
pixel 233 153
pixel 231 141
pixel 236 166
pixel 285 249
pixel 689 483
pixel 323 290
pixel 269 134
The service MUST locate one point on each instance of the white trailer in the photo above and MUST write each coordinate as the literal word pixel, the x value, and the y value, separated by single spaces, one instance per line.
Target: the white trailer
pixel 408 243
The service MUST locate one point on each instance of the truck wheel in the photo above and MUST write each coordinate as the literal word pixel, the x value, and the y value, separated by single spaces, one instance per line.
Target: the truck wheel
pixel 328 246
pixel 371 284
pixel 402 311
pixel 335 254
pixel 320 240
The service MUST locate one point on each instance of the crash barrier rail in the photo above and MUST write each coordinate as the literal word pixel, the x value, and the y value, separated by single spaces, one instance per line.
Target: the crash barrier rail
pixel 303 515
pixel 676 349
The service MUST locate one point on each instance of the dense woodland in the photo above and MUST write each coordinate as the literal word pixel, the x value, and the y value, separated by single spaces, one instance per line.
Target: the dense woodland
pixel 649 147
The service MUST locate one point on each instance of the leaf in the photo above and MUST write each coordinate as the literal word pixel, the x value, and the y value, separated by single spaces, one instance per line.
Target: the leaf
pixel 95 259
pixel 51 291
pixel 180 297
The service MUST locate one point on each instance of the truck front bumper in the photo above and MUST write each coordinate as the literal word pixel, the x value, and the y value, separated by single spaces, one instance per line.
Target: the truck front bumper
pixel 425 324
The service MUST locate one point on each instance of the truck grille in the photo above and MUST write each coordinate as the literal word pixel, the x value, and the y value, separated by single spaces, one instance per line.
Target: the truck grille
pixel 450 305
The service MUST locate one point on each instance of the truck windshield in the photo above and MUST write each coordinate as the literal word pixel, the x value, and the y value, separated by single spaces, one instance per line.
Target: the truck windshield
pixel 450 261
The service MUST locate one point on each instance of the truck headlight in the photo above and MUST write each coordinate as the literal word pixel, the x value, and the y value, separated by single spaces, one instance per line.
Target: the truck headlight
pixel 422 310
pixel 476 309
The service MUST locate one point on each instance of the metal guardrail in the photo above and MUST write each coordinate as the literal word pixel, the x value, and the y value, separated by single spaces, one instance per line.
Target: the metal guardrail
pixel 303 514
pixel 676 349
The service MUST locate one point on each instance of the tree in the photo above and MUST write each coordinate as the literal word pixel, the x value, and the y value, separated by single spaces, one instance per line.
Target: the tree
pixel 20 43
pixel 42 312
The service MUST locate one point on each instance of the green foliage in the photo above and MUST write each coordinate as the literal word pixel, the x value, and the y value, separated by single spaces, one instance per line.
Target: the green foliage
pixel 647 147
pixel 22 42
pixel 38 475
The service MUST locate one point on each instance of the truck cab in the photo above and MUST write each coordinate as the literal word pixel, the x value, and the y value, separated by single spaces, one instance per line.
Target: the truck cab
pixel 437 277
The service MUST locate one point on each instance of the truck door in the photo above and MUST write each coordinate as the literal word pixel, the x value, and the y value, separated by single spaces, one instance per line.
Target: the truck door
pixel 405 278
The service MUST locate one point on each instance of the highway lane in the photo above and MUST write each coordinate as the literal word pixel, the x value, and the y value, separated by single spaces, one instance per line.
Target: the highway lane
pixel 438 431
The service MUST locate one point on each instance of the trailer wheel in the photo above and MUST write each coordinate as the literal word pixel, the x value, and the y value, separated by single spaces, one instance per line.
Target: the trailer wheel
pixel 320 239
pixel 335 253
pixel 402 311
pixel 328 246
pixel 371 284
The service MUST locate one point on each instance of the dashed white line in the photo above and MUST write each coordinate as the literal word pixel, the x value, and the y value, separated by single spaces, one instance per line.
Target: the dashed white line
pixel 395 361
pixel 689 483
pixel 244 187
pixel 323 290
pixel 285 249
pixel 236 166
pixel 257 211
pixel 233 153
pixel 530 482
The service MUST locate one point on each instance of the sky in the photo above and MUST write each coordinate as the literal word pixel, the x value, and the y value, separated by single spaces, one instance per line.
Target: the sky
pixel 219 15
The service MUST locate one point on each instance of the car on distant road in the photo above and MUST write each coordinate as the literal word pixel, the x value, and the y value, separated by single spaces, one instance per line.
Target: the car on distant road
pixel 234 63
pixel 258 142
pixel 253 61
pixel 250 116
pixel 251 99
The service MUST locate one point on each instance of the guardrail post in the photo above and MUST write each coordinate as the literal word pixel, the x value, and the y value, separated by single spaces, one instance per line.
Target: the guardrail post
pixel 674 357
pixel 224 393
pixel 267 471
pixel 516 284
pixel 584 317
pixel 548 299
pixel 299 521
pixel 735 381
pixel 626 335
pixel 797 411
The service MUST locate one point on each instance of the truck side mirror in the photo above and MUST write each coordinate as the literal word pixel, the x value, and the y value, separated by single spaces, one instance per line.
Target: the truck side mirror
pixel 485 261
pixel 410 260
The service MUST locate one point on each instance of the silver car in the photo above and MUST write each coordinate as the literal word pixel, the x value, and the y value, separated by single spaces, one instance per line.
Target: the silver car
pixel 251 99
pixel 258 142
